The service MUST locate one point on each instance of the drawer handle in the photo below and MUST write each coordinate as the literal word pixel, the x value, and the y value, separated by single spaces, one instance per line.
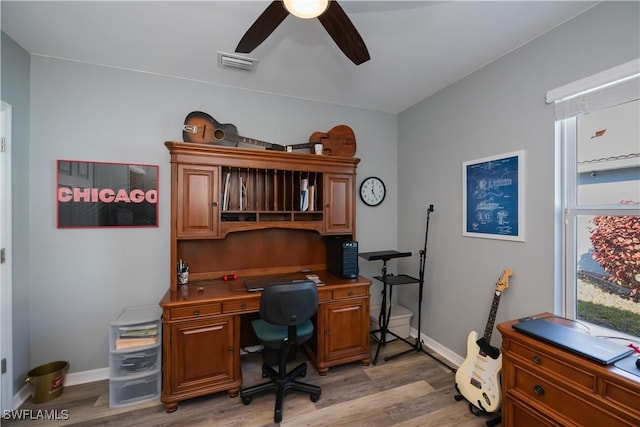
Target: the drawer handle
pixel 538 390
pixel 243 306
pixel 537 360
pixel 350 293
pixel 196 312
pixel 214 204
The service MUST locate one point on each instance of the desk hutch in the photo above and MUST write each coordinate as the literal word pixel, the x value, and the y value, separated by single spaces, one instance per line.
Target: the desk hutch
pixel 259 230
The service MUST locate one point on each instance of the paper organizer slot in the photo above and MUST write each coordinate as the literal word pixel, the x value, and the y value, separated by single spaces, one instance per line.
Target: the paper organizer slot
pixel 269 190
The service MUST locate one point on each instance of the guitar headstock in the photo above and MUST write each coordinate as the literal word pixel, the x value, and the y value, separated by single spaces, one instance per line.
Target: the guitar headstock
pixel 503 281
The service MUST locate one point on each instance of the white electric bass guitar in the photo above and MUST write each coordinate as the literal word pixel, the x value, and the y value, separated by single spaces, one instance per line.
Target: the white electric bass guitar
pixel 478 378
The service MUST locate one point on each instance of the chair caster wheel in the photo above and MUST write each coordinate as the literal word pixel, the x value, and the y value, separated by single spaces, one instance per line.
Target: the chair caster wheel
pixel 277 416
pixel 264 375
pixel 303 373
pixel 246 400
pixel 315 397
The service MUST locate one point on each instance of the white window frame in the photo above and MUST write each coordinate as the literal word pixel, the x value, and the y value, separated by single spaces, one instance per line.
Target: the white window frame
pixel 603 90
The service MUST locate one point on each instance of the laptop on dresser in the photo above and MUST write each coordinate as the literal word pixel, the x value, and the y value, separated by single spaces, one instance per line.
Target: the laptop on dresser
pixel 593 348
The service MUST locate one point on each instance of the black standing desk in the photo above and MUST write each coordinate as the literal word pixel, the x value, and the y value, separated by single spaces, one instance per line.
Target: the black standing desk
pixel 389 281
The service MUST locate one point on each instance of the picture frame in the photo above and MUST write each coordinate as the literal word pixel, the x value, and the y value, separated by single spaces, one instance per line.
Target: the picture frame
pixel 101 194
pixel 493 197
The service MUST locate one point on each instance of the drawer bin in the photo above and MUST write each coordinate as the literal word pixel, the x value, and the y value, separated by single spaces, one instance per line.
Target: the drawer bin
pixel 149 334
pixel 135 327
pixel 134 389
pixel 134 362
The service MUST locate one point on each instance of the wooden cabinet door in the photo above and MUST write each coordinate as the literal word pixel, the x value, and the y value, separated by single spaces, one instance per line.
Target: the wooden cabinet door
pixel 203 355
pixel 198 210
pixel 338 204
pixel 346 329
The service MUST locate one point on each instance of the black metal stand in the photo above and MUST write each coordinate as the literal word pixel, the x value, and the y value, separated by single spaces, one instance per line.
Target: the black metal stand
pixel 497 416
pixel 385 314
pixel 389 281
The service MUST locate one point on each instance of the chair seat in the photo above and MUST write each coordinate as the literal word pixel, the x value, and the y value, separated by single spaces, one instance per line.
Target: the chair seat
pixel 272 335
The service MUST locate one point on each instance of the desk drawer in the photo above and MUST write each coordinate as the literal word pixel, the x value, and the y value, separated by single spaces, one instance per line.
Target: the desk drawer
pixel 349 292
pixel 541 360
pixel 248 306
pixel 196 311
pixel 581 408
pixel 622 396
pixel 522 414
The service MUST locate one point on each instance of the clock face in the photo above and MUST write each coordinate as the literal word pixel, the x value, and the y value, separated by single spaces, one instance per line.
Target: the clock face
pixel 372 191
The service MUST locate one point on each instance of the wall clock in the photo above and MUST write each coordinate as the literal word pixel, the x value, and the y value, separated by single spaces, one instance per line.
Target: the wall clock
pixel 372 191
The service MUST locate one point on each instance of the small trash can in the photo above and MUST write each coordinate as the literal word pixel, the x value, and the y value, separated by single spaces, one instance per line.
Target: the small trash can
pixel 47 381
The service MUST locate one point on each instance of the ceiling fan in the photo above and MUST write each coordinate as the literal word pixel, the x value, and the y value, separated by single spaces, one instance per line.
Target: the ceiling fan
pixel 332 17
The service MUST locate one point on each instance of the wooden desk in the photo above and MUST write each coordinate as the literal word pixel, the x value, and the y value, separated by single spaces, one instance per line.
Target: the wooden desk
pixel 202 323
pixel 544 385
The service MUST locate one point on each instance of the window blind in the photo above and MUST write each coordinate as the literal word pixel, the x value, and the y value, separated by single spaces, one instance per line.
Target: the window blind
pixel 603 90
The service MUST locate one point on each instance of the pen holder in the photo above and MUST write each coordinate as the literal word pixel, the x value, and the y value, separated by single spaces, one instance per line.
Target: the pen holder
pixel 183 278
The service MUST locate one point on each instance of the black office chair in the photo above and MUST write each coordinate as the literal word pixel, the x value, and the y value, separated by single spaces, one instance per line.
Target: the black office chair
pixel 285 313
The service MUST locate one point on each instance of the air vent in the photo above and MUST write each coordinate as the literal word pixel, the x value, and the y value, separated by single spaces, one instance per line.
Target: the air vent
pixel 229 60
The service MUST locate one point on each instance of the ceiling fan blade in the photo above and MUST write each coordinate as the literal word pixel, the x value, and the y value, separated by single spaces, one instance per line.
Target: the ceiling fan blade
pixel 266 23
pixel 344 33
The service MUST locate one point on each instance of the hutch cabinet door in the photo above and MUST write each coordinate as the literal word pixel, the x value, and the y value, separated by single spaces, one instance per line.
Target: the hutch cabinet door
pixel 338 208
pixel 346 329
pixel 198 201
pixel 202 353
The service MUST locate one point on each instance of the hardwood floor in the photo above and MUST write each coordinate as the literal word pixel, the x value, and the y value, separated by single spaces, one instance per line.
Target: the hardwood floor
pixel 412 390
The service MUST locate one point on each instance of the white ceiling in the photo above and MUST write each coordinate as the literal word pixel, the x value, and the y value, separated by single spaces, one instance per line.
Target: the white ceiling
pixel 417 47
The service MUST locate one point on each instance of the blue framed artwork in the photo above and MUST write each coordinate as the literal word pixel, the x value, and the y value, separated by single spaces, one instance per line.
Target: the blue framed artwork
pixel 493 197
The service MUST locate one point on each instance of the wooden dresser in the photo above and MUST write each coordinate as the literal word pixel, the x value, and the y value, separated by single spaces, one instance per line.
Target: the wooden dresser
pixel 543 385
pixel 237 211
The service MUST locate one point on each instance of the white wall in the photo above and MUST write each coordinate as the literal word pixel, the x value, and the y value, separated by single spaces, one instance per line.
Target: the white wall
pixel 82 278
pixel 498 109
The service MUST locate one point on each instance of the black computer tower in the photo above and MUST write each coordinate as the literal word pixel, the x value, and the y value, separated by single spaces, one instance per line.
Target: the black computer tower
pixel 342 257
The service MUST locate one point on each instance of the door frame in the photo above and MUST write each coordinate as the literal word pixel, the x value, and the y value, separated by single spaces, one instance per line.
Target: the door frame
pixel 6 340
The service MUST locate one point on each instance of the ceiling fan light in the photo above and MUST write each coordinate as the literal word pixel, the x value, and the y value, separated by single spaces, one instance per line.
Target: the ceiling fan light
pixel 306 9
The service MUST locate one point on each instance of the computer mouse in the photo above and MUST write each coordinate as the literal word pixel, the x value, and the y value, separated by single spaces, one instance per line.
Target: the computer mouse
pixel 638 363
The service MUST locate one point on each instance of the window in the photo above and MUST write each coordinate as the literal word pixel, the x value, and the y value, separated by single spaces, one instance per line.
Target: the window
pixel 598 144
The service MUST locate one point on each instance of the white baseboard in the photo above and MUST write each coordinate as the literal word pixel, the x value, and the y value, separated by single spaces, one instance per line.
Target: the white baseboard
pixel 74 378
pixel 443 351
pixel 23 394
pixel 84 377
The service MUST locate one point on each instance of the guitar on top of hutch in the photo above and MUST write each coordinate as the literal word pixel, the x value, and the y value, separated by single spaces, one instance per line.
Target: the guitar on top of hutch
pixel 201 128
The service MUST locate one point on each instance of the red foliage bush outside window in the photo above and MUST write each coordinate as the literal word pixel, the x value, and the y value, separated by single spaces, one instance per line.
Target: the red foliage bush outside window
pixel 616 247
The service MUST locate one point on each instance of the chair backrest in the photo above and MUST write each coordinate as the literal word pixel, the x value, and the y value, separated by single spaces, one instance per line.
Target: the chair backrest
pixel 289 303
